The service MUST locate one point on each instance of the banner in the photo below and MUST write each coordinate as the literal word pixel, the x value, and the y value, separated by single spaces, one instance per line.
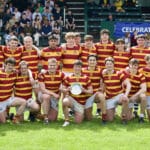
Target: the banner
pixel 120 28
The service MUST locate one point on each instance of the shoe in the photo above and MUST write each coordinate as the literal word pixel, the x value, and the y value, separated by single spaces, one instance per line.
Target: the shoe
pixel 66 123
pixel 135 114
pixel 31 117
pixel 71 113
pixel 98 112
pixel 141 120
pixel 124 122
pixel 46 122
pixel 11 116
pixel 104 122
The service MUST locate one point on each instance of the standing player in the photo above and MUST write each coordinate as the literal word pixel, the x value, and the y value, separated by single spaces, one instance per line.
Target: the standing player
pixel 72 100
pixel 7 82
pixel 87 48
pixel 140 50
pixel 11 50
pixel 105 47
pixel 94 73
pixel 121 56
pixel 71 52
pixel 30 54
pixel 52 51
pixel 50 83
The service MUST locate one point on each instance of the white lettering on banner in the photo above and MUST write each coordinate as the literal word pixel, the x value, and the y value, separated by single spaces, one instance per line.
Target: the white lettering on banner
pixel 138 29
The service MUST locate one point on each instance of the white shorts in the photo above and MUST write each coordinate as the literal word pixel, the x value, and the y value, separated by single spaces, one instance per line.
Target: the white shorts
pixel 30 101
pixel 5 104
pixel 54 103
pixel 148 102
pixel 112 103
pixel 90 101
pixel 76 106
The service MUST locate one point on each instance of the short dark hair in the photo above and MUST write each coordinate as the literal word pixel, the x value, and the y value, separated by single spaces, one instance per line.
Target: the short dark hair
pixel 140 36
pixel 109 59
pixel 92 55
pixel 78 62
pixel 10 60
pixel 133 61
pixel 120 41
pixel 52 37
pixel 104 31
pixel 88 37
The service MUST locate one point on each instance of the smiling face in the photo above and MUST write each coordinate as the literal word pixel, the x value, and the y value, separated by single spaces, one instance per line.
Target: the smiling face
pixel 141 42
pixel 120 46
pixel 53 43
pixel 24 69
pixel 52 67
pixel 13 44
pixel 9 67
pixel 109 66
pixel 28 42
pixel 92 62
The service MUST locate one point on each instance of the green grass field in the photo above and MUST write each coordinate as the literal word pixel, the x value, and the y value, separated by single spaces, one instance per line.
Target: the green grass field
pixel 86 136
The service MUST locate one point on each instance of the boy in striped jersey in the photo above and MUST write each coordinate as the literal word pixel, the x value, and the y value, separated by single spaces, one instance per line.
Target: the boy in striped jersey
pixel 121 55
pixel 50 84
pixel 94 73
pixel 87 48
pixel 138 52
pixel 7 82
pixel 146 72
pixel 71 52
pixel 105 47
pixel 30 54
pixel 11 50
pixel 52 51
pixel 115 94
pixel 23 86
pixel 138 88
pixel 72 100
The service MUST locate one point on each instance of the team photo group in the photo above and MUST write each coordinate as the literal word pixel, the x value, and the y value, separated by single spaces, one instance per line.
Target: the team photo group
pixel 75 76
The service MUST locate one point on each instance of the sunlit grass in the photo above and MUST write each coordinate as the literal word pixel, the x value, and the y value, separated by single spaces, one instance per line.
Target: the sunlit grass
pixel 86 136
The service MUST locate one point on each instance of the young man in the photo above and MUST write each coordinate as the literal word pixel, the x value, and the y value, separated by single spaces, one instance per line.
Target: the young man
pixel 76 101
pixel 121 55
pixel 30 54
pixel 146 72
pixel 138 88
pixel 71 52
pixel 50 83
pixel 7 82
pixel 12 50
pixel 94 73
pixel 87 48
pixel 23 86
pixel 105 47
pixel 140 50
pixel 52 51
pixel 115 93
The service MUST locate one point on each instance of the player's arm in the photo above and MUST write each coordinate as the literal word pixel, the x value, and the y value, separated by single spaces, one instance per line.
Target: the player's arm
pixel 48 92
